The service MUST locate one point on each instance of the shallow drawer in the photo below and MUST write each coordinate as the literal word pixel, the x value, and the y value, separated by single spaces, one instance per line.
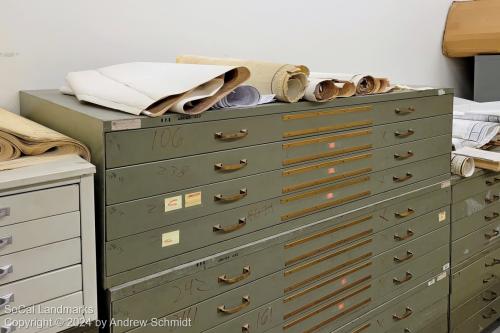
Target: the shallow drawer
pixel 475 242
pixel 37 204
pixel 168 209
pixel 139 181
pixel 39 232
pixel 40 288
pixel 489 200
pixel 480 275
pixel 191 289
pixel 128 147
pixel 303 273
pixel 39 260
pixel 366 225
pixel 402 278
pixel 473 305
pixel 468 187
pixel 264 319
pixel 437 325
pixel 213 311
pixel 42 315
pixel 481 320
pixel 467 225
pixel 431 294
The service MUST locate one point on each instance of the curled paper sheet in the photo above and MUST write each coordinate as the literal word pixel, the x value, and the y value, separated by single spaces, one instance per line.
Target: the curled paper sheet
pixel 287 82
pixel 243 96
pixel 155 88
pixel 462 165
pixel 471 133
pixel 24 142
pixel 321 90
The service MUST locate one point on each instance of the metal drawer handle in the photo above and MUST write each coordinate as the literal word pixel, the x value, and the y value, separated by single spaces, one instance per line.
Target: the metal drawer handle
pixel 4 270
pixel 493 296
pixel 6 299
pixel 408 256
pixel 7 329
pixel 493 182
pixel 492 217
pixel 404 111
pixel 492 234
pixel 492 199
pixel 4 212
pixel 404 156
pixel 404 134
pixel 493 263
pixel 244 303
pixel 231 167
pixel 230 228
pixel 406 213
pixel 488 279
pixel 238 278
pixel 403 178
pixel 409 233
pixel 491 312
pixel 408 312
pixel 245 328
pixel 4 241
pixel 231 136
pixel 408 277
pixel 231 197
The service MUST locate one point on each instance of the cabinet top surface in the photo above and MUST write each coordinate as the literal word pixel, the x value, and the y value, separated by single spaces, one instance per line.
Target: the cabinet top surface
pixel 65 167
pixel 107 115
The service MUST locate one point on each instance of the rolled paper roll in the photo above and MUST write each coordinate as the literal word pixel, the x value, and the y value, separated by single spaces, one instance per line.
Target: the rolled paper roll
pixel 287 82
pixel 321 90
pixel 365 84
pixel 462 165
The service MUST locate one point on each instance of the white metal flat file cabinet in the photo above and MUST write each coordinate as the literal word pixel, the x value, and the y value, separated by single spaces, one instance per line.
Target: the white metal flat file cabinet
pixel 47 247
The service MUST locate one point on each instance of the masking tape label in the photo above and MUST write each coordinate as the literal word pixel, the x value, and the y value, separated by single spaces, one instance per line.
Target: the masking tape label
pixel 192 199
pixel 442 216
pixel 170 238
pixel 173 203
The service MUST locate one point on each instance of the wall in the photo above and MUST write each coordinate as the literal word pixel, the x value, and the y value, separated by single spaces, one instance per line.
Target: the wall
pixel 40 41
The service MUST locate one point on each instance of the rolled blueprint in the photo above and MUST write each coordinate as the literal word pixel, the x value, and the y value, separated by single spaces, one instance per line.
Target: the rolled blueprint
pixel 462 165
pixel 474 134
pixel 363 84
pixel 24 142
pixel 155 88
pixel 321 90
pixel 287 82
pixel 243 96
pixel 345 88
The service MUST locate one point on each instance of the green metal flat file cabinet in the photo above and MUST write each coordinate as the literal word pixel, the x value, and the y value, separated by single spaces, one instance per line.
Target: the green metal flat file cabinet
pixel 289 218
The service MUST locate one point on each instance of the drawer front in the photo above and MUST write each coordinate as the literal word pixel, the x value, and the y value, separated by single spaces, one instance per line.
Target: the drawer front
pixel 482 218
pixel 41 315
pixel 332 262
pixel 26 235
pixel 475 242
pixel 41 288
pixel 439 325
pixel 424 319
pixel 39 260
pixel 128 147
pixel 213 311
pixel 481 275
pixel 42 203
pixel 260 320
pixel 489 199
pixel 139 181
pixel 170 208
pixel 426 296
pixel 328 239
pixel 468 187
pixel 481 320
pixel 473 305
pixel 191 289
pixel 398 280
